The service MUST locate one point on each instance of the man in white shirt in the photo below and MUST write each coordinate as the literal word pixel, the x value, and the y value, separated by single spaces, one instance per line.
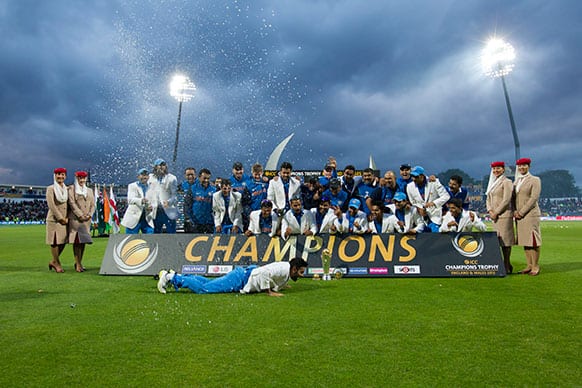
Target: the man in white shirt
pixel 297 221
pixel 406 219
pixel 353 221
pixel 459 220
pixel 264 221
pixel 428 197
pixel 139 215
pixel 164 187
pixel 227 209
pixel 270 278
pixel 324 216
pixel 282 188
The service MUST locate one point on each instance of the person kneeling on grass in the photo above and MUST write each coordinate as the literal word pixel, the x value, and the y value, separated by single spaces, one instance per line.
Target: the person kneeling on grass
pixel 270 278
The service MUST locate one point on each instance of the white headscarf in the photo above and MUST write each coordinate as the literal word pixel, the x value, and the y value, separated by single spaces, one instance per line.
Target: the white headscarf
pixel 80 190
pixel 519 179
pixel 61 193
pixel 494 181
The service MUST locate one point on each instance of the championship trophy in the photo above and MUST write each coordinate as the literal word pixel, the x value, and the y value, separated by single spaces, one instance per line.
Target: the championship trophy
pixel 325 262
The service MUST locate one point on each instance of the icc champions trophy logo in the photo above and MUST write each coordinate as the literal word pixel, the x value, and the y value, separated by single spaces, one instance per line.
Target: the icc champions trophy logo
pixel 468 245
pixel 134 256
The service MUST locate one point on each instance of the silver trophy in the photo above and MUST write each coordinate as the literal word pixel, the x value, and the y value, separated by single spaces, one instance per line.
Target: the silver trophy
pixel 325 262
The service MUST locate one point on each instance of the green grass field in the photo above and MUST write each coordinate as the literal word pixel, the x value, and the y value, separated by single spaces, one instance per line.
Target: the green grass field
pixel 89 330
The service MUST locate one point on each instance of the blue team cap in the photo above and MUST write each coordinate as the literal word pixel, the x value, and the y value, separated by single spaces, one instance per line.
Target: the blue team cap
pixel 142 171
pixel 417 170
pixel 325 198
pixel 355 203
pixel 159 162
pixel 399 196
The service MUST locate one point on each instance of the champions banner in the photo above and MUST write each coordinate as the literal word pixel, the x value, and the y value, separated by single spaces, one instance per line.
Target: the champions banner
pixel 383 255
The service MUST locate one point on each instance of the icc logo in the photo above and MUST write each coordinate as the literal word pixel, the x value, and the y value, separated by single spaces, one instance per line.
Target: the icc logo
pixel 134 256
pixel 468 245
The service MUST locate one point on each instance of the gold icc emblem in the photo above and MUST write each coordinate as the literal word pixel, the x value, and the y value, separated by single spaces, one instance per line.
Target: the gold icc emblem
pixel 468 245
pixel 134 256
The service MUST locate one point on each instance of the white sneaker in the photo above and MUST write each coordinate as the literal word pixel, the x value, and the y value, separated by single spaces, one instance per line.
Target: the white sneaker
pixel 165 278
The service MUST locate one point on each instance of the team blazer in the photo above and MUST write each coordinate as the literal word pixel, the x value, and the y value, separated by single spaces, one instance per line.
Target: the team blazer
pixel 234 209
pixel 254 224
pixel 412 221
pixel 135 207
pixel 165 191
pixel 289 220
pixel 343 225
pixel 276 191
pixel 465 223
pixel 327 222
pixel 434 192
pixel 387 226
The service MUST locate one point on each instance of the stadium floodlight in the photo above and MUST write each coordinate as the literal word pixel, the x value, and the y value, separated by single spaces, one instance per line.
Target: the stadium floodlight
pixel 182 89
pixel 497 61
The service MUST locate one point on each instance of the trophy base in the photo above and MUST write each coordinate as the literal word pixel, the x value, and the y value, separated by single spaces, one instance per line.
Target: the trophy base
pixel 326 277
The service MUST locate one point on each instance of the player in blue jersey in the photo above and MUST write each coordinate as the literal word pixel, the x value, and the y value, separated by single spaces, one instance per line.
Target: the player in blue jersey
pixel 365 189
pixel 405 178
pixel 257 187
pixel 456 190
pixel 201 210
pixel 338 197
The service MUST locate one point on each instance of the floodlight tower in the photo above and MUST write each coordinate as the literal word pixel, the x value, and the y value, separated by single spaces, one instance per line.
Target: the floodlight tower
pixel 497 60
pixel 182 89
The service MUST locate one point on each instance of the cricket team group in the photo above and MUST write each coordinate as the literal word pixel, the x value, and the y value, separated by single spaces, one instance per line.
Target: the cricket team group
pixel 285 205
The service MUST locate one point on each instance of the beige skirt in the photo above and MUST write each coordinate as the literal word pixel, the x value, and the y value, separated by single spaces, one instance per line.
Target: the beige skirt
pixel 505 232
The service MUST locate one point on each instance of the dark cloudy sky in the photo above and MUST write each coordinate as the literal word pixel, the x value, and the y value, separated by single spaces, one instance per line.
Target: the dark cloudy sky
pixel 84 84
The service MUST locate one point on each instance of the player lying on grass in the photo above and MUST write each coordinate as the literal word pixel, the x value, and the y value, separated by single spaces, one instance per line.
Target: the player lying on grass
pixel 270 278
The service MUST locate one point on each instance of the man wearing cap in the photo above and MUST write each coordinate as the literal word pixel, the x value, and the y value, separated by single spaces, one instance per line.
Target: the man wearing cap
pixel 81 209
pixel 282 189
pixel 164 187
pixel 405 178
pixel 264 221
pixel 527 189
pixel 428 197
pixel 338 197
pixel 227 209
pixel 354 220
pixel 324 216
pixel 297 220
pixel 459 220
pixel 499 192
pixel 139 216
pixel 406 219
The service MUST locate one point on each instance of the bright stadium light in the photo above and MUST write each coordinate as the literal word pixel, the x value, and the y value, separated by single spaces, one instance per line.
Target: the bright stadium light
pixel 497 61
pixel 497 58
pixel 182 89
